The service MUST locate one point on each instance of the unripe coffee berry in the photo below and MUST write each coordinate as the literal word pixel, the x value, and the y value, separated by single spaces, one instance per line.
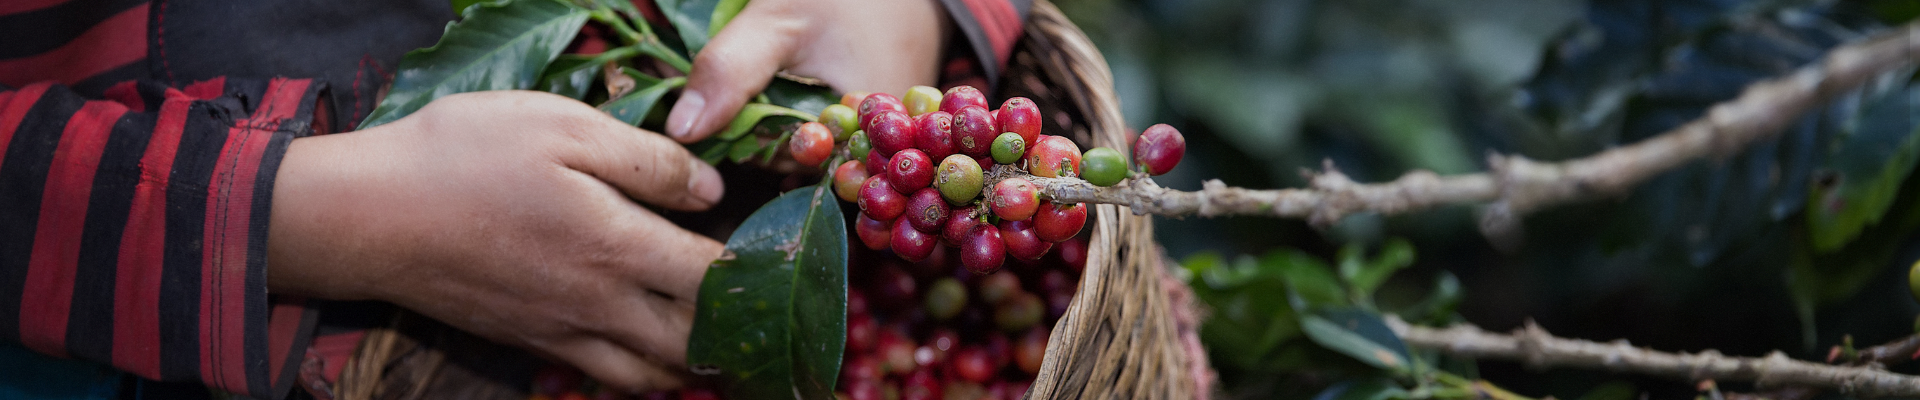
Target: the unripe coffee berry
pixel 934 134
pixel 873 104
pixel 847 179
pixel 880 201
pixel 1008 148
pixel 811 144
pixel 962 96
pixel 909 170
pixel 1159 149
pixel 876 234
pixel 853 99
pixel 1014 199
pixel 1056 222
pixel 1019 115
pixel 996 288
pixel 858 146
pixel 1019 312
pixel 959 178
pixel 927 211
pixel 1054 157
pixel 1021 241
pixel 982 251
pixel 1102 166
pixel 921 100
pixel 891 131
pixel 841 120
pixel 945 298
pixel 909 243
pixel 973 131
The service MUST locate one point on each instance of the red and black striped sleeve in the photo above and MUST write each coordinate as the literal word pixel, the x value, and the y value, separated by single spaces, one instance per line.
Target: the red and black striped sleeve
pixel 991 28
pixel 133 230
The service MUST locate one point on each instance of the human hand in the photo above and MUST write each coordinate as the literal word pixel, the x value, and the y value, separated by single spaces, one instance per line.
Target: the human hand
pixel 510 215
pixel 853 45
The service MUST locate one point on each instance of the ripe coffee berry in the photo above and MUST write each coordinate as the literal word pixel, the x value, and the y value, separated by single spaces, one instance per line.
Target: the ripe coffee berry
pixel 1103 167
pixel 860 366
pixel 858 146
pixel 877 164
pixel 1019 115
pixel 891 131
pixel 983 251
pixel 880 201
pixel 861 331
pixel 1073 253
pixel 910 244
pixel 876 234
pixel 1159 149
pixel 961 96
pixel 847 179
pixel 959 221
pixel 1054 157
pixel 927 211
pixel 811 144
pixel 921 100
pixel 909 170
pixel 853 99
pixel 873 104
pixel 841 120
pixel 1008 148
pixel 1014 199
pixel 945 298
pixel 959 179
pixel 973 364
pixel 1056 223
pixel 1022 243
pixel 934 134
pixel 973 131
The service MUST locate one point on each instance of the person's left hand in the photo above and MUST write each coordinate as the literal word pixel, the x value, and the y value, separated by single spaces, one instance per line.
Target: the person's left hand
pixel 853 45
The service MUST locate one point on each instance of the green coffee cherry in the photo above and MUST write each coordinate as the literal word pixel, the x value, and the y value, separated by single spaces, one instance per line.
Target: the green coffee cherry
pixel 959 179
pixel 922 100
pixel 1009 148
pixel 858 145
pixel 841 120
pixel 1103 166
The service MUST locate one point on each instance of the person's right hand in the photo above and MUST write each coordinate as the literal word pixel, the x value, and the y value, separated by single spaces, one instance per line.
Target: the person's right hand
pixel 510 215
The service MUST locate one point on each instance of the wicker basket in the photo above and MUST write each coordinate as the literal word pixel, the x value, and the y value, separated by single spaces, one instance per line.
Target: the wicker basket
pixel 1129 333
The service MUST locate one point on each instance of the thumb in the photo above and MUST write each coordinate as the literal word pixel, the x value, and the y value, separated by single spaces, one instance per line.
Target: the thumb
pixel 736 64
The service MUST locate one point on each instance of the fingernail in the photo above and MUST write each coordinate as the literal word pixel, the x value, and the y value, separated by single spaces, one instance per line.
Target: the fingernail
pixel 685 113
pixel 705 183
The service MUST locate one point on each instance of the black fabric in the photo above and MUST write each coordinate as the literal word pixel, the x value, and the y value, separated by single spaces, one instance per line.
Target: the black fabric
pixel 200 144
pixel 90 318
pixel 336 42
pixel 23 179
pixel 45 29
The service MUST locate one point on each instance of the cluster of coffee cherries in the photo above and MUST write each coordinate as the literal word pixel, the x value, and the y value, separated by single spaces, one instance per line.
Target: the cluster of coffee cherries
pixel 917 168
pixel 926 330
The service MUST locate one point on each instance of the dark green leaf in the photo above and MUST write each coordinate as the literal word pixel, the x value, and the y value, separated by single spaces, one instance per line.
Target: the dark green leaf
pixel 743 149
pixel 692 19
pixel 570 75
pixel 1310 283
pixel 1358 334
pixel 1370 389
pixel 460 6
pixel 771 316
pixel 1365 275
pixel 634 107
pixel 753 113
pixel 625 7
pixel 1875 153
pixel 711 150
pixel 495 46
pixel 799 96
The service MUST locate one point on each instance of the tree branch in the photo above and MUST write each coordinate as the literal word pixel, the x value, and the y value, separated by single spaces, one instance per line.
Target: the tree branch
pixel 1536 348
pixel 1515 185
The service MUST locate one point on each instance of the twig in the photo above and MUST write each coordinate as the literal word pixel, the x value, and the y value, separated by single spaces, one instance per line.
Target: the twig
pixel 1515 185
pixel 1536 348
pixel 1890 353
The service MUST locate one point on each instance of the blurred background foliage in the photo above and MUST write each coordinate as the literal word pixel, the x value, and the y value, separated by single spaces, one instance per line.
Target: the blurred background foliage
pixel 1788 245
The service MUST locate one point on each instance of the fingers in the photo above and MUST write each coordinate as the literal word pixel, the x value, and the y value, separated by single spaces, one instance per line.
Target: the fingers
pixel 663 257
pixel 647 167
pixel 616 366
pixel 657 326
pixel 732 67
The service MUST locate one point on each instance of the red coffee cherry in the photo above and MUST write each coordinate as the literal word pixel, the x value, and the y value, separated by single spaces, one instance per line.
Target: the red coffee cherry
pixel 847 179
pixel 876 234
pixel 811 144
pixel 880 201
pixel 873 104
pixel 959 221
pixel 1054 157
pixel 1058 222
pixel 927 211
pixel 1020 115
pixel 962 96
pixel 1021 241
pixel 910 170
pixel 983 252
pixel 1159 149
pixel 935 134
pixel 911 244
pixel 973 131
pixel 1014 199
pixel 891 131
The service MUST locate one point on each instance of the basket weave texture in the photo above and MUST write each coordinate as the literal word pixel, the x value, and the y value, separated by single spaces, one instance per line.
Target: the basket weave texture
pixel 1128 334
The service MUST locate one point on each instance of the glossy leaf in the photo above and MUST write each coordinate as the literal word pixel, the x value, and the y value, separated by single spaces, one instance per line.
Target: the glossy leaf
pixel 1866 169
pixel 807 98
pixel 570 75
pixel 460 6
pixel 691 19
pixel 625 7
pixel 743 149
pixel 634 107
pixel 771 315
pixel 495 46
pixel 754 113
pixel 1358 334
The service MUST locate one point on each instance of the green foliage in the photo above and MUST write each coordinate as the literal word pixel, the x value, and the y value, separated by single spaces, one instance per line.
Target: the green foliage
pixel 1877 148
pixel 634 107
pixel 1361 335
pixel 771 317
pixel 495 46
